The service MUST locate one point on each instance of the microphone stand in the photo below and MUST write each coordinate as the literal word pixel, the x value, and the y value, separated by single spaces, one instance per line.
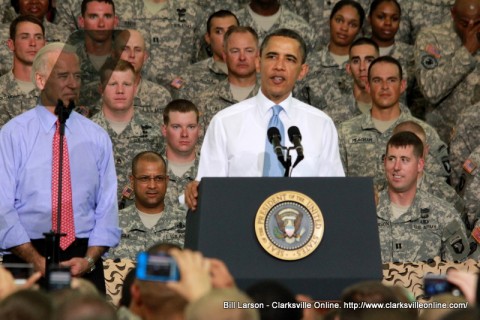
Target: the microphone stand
pixel 287 164
pixel 52 238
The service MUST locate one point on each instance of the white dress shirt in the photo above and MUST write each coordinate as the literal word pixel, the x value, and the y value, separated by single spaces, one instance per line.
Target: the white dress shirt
pixel 234 144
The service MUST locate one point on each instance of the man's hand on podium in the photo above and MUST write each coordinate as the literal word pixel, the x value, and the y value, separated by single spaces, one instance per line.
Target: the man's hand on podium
pixel 191 195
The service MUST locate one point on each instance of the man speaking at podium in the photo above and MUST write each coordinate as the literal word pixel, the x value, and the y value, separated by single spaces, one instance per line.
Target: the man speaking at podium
pixel 236 143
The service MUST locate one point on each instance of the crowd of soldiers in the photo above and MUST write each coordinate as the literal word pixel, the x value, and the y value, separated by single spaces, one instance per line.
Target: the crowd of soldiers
pixel 206 52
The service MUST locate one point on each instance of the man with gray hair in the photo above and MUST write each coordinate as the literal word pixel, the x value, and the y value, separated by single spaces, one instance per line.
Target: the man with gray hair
pixel 29 192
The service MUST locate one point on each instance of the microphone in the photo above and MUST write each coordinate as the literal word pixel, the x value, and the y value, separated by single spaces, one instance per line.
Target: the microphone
pixel 274 137
pixel 296 138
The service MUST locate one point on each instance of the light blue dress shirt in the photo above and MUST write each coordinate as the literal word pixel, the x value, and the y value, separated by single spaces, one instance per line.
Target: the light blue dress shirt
pixel 26 179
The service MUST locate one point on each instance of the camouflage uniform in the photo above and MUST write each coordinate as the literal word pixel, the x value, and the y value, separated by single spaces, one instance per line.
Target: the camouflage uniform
pixel 448 75
pixel 420 14
pixel 429 228
pixel 439 188
pixel 326 81
pixel 136 237
pixel 6 56
pixel 13 101
pixel 176 185
pixel 141 134
pixel 7 12
pixel 362 147
pixel 213 6
pixel 89 73
pixel 150 99
pixel 55 33
pixel 465 138
pixel 196 79
pixel 287 19
pixel 471 191
pixel 68 12
pixel 218 98
pixel 172 35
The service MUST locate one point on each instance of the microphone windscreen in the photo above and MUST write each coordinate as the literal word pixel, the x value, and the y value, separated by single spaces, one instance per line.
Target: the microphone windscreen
pixel 294 131
pixel 273 131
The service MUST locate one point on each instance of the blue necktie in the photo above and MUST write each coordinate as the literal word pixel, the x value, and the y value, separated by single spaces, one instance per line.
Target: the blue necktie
pixel 271 166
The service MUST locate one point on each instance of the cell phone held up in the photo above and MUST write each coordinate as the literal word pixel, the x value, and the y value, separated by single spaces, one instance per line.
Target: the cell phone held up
pixel 434 284
pixel 156 267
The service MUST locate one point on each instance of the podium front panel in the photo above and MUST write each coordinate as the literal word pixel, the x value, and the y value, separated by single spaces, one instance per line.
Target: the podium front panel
pixel 349 252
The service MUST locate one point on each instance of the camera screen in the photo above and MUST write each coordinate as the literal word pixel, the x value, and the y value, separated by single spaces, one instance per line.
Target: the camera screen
pixel 437 286
pixel 159 266
pixel 20 271
pixel 60 279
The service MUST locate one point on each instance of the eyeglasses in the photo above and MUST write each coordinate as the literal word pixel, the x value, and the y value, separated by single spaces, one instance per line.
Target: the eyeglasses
pixel 146 179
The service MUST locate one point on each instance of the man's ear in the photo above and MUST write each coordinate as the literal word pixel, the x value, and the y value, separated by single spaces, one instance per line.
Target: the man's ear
pixel 40 81
pixel 11 45
pixel 303 71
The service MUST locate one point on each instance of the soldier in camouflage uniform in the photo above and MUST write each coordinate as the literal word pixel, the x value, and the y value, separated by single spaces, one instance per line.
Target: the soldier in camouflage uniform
pixel 471 194
pixel 465 138
pixel 447 67
pixel 53 32
pixel 284 19
pixel 220 97
pixel 241 53
pixel 181 130
pixel 150 219
pixel 206 73
pixel 414 225
pixel 347 99
pixel 17 91
pixel 94 42
pixel 362 139
pixel 427 182
pixel 150 98
pixel 327 66
pixel 173 32
pixel 131 131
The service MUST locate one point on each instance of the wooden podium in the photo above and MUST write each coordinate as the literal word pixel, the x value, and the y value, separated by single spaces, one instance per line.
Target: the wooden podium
pixel 349 252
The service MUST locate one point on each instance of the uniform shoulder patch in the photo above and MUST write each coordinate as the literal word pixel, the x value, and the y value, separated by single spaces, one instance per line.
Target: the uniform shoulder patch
pixel 177 83
pixel 476 234
pixel 433 51
pixel 469 166
pixel 429 62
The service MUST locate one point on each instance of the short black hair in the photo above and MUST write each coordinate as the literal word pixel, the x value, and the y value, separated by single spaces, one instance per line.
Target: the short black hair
pixel 287 33
pixel 179 105
pixel 220 14
pixel 376 3
pixel 404 139
pixel 386 59
pixel 27 18
pixel 357 6
pixel 85 2
pixel 362 41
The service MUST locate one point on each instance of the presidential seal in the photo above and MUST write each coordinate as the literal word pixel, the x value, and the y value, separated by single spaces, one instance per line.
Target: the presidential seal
pixel 289 225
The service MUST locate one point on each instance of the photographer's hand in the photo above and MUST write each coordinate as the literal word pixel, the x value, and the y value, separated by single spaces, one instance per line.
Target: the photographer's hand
pixel 194 270
pixel 466 281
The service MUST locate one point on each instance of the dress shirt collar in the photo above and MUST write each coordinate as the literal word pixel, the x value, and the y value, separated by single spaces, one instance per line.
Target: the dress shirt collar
pixel 48 119
pixel 266 104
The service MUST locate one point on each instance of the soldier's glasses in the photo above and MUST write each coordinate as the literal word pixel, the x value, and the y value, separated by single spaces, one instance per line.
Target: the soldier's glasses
pixel 146 179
